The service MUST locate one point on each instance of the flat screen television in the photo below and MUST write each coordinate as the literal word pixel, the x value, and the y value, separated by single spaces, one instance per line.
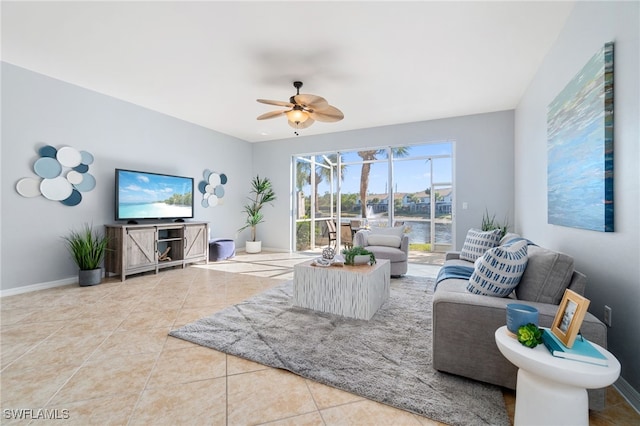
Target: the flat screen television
pixel 146 195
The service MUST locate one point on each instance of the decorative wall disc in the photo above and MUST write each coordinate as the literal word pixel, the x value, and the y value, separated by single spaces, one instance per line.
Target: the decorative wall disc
pixel 65 173
pixel 87 158
pixel 87 184
pixel 212 188
pixel 47 167
pixel 73 199
pixel 214 179
pixel 81 168
pixel 56 189
pixel 74 177
pixel 28 187
pixel 69 157
pixel 48 151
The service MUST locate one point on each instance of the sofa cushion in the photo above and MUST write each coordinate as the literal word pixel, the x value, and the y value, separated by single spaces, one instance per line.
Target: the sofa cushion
pixel 390 253
pixel 547 275
pixel 499 270
pixel 477 242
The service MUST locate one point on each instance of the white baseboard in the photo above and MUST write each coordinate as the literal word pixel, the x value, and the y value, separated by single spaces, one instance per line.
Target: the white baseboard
pixel 629 393
pixel 39 286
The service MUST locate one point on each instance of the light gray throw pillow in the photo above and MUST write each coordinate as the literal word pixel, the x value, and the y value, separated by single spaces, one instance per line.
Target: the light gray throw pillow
pixel 547 275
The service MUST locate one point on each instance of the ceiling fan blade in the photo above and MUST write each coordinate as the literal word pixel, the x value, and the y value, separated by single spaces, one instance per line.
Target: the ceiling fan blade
pixel 271 114
pixel 329 114
pixel 308 122
pixel 278 103
pixel 311 101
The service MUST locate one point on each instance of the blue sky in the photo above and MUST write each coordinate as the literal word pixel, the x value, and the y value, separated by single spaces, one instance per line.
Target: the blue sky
pixel 409 176
pixel 138 187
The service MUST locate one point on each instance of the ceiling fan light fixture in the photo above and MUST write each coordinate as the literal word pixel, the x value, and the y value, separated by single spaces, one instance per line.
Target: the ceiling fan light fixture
pixel 305 109
pixel 297 116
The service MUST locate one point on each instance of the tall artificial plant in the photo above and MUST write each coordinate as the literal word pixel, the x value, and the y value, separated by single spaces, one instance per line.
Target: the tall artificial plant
pixel 86 247
pixel 262 194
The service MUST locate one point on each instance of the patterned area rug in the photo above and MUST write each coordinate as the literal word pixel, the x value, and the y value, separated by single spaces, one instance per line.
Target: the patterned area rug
pixel 386 359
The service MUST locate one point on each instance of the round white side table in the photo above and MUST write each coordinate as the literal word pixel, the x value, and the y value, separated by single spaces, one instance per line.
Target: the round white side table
pixel 551 390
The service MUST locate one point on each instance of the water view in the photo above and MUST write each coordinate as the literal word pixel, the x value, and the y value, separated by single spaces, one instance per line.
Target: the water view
pixel 153 210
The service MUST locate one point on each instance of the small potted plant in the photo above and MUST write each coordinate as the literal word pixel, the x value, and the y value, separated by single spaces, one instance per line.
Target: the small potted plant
pixel 489 223
pixel 530 335
pixel 87 249
pixel 358 256
pixel 262 194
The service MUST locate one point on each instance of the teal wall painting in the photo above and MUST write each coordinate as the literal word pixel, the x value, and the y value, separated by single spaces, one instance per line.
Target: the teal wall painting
pixel 580 148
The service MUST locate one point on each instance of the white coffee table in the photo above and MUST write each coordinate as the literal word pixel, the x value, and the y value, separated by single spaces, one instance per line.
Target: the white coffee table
pixel 551 390
pixel 350 291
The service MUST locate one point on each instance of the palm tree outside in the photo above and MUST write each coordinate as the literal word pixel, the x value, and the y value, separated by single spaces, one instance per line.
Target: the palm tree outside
pixel 367 157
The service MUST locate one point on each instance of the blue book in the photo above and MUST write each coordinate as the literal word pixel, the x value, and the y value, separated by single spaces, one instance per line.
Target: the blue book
pixel 582 350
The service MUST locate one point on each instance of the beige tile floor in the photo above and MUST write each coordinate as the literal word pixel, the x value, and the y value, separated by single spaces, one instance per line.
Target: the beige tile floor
pixel 101 355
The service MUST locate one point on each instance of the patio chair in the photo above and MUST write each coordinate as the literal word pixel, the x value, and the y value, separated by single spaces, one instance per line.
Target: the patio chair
pixel 346 235
pixel 333 233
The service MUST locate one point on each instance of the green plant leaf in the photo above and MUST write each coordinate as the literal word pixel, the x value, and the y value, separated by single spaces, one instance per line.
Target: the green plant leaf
pixel 87 247
pixel 263 193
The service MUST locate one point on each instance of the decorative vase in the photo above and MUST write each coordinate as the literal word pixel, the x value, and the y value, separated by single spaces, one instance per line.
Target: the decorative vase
pixel 89 277
pixel 253 246
pixel 519 315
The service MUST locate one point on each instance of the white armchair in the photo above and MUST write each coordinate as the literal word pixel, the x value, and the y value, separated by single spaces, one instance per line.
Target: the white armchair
pixel 386 243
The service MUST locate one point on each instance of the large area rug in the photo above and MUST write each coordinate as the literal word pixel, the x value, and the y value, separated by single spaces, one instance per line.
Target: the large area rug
pixel 386 359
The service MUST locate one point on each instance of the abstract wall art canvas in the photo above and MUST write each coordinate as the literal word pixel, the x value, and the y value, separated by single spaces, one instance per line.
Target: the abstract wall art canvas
pixel 580 148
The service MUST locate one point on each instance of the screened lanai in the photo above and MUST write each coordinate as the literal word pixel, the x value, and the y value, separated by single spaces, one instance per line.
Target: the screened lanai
pixel 338 193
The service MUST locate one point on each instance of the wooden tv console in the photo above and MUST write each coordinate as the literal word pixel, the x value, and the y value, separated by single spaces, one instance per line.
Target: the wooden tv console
pixel 150 247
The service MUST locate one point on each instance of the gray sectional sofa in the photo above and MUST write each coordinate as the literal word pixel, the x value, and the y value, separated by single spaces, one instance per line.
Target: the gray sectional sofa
pixel 464 323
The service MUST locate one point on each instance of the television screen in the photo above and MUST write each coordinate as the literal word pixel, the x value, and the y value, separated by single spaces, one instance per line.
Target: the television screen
pixel 144 195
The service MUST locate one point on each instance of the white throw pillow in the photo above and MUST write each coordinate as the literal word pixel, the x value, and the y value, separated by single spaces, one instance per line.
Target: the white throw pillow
pixel 499 270
pixel 391 237
pixel 384 240
pixel 477 242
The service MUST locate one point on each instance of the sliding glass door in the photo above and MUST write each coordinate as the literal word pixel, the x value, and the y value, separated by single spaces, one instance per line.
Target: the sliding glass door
pixel 408 185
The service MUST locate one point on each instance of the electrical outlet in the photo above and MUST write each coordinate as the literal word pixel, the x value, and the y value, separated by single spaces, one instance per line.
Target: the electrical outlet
pixel 607 315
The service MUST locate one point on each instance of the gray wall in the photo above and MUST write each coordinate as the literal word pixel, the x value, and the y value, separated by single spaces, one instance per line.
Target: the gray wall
pixel 40 110
pixel 611 261
pixel 483 174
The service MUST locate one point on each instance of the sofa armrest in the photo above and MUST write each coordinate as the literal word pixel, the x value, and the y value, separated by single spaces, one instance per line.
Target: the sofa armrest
pixel 451 255
pixel 404 244
pixel 360 239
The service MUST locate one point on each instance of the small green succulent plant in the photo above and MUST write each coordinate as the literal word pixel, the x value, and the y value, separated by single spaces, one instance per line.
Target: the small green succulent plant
pixel 530 335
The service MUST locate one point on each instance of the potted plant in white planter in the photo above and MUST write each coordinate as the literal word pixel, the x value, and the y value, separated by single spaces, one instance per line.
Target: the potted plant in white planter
pixel 358 256
pixel 87 249
pixel 262 194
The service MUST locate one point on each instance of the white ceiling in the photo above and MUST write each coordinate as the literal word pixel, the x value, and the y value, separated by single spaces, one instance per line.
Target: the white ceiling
pixel 207 62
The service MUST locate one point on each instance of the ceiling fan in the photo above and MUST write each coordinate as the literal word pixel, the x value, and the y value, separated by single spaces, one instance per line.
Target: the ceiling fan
pixel 305 109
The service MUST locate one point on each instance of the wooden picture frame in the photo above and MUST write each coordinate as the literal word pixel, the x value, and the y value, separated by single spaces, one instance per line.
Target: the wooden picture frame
pixel 568 319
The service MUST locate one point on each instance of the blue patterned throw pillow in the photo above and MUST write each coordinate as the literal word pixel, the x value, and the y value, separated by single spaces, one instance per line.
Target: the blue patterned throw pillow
pixel 477 242
pixel 499 270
